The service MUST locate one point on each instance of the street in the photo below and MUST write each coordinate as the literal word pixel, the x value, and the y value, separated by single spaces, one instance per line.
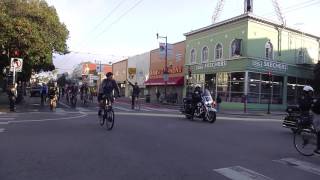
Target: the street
pixel 153 143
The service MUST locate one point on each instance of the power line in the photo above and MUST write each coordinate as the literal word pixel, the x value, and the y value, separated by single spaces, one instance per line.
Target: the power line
pixel 105 18
pixel 294 7
pixel 118 19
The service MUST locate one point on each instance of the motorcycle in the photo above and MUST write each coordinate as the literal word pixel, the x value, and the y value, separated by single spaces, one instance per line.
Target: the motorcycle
pixel 203 109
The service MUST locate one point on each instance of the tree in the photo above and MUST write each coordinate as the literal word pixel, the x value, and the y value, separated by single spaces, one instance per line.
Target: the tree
pixel 34 29
pixel 316 80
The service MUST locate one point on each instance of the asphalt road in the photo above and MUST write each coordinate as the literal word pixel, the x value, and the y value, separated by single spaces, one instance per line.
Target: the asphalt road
pixel 153 143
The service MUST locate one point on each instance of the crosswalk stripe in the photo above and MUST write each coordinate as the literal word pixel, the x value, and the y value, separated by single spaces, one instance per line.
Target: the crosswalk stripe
pixel 302 165
pixel 2 130
pixel 6 118
pixel 82 109
pixel 241 173
pixel 4 123
pixel 121 108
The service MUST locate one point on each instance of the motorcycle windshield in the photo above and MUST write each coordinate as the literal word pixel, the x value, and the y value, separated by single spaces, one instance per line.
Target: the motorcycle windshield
pixel 207 96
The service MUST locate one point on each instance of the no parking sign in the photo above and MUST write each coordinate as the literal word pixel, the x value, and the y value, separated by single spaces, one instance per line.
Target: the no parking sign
pixel 17 64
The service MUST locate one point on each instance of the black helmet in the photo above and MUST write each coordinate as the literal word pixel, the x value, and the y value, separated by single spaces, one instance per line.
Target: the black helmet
pixel 109 74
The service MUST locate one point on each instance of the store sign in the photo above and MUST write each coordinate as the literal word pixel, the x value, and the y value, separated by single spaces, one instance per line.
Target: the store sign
pixel 211 65
pixel 270 65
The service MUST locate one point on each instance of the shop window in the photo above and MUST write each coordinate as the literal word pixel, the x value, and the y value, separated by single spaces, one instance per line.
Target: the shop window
pixel 218 51
pixel 236 47
pixel 193 56
pixel 205 54
pixel 301 57
pixel 269 50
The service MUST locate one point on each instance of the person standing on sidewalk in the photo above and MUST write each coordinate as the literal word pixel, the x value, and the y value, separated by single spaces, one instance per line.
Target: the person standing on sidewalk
pixel 12 95
pixel 135 93
pixel 218 103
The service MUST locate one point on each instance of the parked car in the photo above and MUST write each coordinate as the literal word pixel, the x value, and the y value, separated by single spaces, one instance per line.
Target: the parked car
pixel 35 90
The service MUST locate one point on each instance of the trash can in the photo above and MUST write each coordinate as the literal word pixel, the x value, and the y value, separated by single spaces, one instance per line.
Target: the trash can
pixel 147 98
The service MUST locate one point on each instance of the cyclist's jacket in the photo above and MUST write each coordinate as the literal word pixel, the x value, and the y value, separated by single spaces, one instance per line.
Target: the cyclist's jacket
pixel 53 90
pixel 305 103
pixel 109 85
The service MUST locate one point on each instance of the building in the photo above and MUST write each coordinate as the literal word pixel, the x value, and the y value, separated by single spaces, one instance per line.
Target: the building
pixel 251 62
pixel 91 73
pixel 175 81
pixel 138 72
pixel 119 70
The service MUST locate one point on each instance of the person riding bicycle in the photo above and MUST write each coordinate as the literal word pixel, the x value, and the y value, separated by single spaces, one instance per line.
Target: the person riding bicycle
pixel 84 90
pixel 135 93
pixel 307 103
pixel 53 90
pixel 43 93
pixel 108 86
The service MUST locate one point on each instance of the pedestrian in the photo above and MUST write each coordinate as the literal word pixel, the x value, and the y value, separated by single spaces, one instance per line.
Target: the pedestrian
pixel 135 93
pixel 12 95
pixel 316 121
pixel 158 95
pixel 218 102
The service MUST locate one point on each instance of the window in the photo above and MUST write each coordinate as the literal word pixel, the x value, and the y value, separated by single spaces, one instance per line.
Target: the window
pixel 193 56
pixel 236 47
pixel 301 56
pixel 205 54
pixel 219 51
pixel 269 50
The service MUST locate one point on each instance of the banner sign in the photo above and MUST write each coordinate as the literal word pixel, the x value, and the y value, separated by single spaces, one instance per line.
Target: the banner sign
pixel 270 65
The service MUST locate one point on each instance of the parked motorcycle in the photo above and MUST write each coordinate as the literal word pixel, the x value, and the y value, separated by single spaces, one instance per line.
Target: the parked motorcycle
pixel 204 109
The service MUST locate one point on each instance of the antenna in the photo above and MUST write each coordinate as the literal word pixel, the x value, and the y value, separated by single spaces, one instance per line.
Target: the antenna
pixel 217 11
pixel 278 12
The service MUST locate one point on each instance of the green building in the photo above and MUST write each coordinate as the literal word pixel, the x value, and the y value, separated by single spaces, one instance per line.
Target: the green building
pixel 248 60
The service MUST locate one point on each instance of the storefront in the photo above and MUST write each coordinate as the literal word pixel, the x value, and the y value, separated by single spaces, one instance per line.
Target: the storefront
pixel 251 62
pixel 174 84
pixel 119 70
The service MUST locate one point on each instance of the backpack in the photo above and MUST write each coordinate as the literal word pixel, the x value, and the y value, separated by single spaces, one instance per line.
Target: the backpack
pixel 107 86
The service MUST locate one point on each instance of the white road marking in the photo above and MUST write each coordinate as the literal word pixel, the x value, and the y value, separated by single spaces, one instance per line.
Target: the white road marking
pixel 2 130
pixel 162 109
pixel 63 104
pixel 121 108
pixel 3 113
pixel 4 123
pixel 302 165
pixel 51 119
pixel 7 118
pixel 241 173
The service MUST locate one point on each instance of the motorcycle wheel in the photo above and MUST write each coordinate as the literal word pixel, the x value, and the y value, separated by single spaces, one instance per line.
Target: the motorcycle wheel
pixel 212 117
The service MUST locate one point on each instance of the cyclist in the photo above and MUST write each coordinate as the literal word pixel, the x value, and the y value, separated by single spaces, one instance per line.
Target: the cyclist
pixel 84 89
pixel 135 93
pixel 307 103
pixel 106 89
pixel 43 93
pixel 53 90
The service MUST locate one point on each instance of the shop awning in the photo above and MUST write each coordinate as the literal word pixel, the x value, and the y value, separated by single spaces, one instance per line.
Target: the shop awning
pixel 178 81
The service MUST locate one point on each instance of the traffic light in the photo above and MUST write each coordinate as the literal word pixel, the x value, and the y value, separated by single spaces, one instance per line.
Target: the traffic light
pixel 189 72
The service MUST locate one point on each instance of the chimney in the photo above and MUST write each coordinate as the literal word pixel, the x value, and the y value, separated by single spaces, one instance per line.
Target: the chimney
pixel 248 6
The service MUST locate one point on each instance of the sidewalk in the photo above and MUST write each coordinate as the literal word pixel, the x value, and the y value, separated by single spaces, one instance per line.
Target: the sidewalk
pixel 223 112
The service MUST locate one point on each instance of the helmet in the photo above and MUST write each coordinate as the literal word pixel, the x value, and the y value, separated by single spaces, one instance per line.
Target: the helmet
pixel 109 74
pixel 308 89
pixel 197 86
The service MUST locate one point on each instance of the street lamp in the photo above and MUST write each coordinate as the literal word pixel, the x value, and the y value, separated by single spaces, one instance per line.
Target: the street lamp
pixel 165 73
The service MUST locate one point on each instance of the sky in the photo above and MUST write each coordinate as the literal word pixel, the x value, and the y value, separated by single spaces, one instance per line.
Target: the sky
pixel 112 30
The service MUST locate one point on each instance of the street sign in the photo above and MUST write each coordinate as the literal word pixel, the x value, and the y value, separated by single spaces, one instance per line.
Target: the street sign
pixel 17 64
pixel 165 76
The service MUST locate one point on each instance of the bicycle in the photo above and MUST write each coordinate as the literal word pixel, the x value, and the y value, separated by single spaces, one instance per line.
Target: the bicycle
pixel 107 117
pixel 305 138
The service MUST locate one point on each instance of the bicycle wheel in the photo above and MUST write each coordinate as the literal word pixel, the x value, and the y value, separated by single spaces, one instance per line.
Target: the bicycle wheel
pixel 305 142
pixel 102 118
pixel 110 119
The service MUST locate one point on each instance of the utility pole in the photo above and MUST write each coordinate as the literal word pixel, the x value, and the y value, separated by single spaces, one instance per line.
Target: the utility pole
pixel 165 73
